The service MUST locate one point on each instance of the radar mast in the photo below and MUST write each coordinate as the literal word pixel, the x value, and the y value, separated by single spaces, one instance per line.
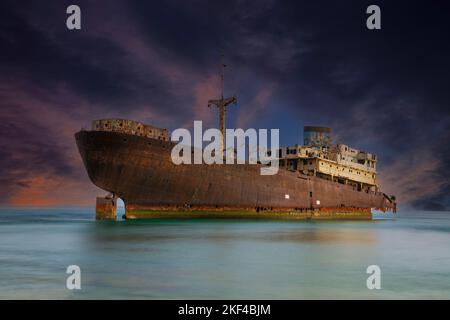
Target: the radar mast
pixel 222 104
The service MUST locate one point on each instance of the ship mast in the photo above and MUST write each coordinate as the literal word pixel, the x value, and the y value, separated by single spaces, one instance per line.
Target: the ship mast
pixel 222 104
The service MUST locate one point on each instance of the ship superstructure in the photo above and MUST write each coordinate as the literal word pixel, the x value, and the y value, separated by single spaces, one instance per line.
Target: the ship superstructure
pixel 334 162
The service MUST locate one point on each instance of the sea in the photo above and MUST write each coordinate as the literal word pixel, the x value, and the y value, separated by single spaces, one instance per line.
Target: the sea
pixel 222 259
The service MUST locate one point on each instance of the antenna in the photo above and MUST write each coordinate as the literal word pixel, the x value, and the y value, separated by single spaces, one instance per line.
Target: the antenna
pixel 222 76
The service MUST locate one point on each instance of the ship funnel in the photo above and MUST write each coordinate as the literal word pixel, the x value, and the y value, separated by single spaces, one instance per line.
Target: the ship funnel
pixel 315 136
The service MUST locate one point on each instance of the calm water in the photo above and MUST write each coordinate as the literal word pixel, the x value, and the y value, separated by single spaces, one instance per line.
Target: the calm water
pixel 221 258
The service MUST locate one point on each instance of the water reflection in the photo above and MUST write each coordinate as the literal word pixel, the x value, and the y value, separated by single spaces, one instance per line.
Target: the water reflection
pixel 221 231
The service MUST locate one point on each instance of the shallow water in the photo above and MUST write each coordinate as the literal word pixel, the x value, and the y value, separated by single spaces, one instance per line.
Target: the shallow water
pixel 223 259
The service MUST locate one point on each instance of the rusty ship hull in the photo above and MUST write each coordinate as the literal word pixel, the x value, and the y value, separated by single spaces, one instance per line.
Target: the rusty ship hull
pixel 139 170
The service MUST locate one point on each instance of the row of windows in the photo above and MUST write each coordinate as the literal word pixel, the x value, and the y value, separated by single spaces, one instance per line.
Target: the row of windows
pixel 350 170
pixel 291 151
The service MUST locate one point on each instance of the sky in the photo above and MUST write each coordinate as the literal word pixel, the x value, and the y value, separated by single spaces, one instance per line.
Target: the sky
pixel 290 64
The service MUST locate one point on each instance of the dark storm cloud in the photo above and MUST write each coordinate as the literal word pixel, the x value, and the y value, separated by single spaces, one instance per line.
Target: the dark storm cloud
pixel 46 54
pixel 290 63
